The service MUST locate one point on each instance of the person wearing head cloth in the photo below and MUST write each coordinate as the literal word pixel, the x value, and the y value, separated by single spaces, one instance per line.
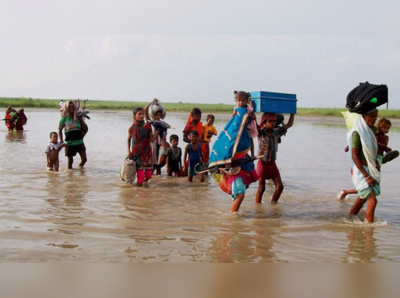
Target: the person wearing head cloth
pixel 268 137
pixel 366 169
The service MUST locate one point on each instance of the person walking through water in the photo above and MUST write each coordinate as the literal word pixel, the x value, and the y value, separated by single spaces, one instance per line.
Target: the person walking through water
pixel 366 169
pixel 75 130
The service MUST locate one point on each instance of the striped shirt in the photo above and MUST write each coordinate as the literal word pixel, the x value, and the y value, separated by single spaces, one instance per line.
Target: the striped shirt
pixel 268 141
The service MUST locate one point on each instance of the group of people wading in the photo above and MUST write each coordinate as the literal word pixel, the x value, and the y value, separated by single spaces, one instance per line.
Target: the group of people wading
pixel 231 160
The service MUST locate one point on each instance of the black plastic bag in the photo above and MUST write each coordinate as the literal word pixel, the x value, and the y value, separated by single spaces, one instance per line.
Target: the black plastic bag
pixel 366 97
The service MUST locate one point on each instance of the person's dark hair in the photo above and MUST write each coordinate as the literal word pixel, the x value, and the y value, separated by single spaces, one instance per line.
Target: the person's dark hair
pixel 136 110
pixel 210 116
pixel 196 111
pixel 53 133
pixel 173 137
pixel 244 94
pixel 194 133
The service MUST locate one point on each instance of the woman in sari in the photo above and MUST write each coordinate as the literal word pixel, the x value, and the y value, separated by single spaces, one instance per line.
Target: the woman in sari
pixel 366 169
pixel 232 147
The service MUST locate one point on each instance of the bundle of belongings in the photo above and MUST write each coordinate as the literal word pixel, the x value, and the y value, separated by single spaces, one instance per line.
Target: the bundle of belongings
pixel 366 97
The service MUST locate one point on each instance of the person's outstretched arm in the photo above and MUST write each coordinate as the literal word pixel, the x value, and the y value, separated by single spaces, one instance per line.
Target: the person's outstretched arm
pixel 291 121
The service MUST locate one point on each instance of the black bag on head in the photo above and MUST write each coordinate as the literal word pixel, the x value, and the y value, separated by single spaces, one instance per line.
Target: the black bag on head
pixel 366 97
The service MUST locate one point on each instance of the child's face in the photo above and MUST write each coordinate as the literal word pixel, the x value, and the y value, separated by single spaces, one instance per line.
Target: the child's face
pixel 385 128
pixel 270 124
pixel 139 116
pixel 54 138
pixel 174 143
pixel 241 101
pixel 210 121
pixel 194 138
pixel 157 116
pixel 196 118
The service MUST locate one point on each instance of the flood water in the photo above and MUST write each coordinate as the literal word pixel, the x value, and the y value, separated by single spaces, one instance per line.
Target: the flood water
pixel 90 215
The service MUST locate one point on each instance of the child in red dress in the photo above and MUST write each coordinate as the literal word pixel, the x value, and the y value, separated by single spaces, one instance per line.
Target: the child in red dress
pixel 139 137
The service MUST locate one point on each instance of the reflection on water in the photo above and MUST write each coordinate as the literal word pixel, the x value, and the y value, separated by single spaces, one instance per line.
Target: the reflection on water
pixel 362 247
pixel 14 136
pixel 91 215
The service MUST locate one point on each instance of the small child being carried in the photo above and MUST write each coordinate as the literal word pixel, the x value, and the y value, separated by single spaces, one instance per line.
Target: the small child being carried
pixel 174 157
pixel 52 151
pixel 382 128
pixel 193 149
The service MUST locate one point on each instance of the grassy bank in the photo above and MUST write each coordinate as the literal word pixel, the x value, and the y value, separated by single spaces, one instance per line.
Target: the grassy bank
pixel 173 107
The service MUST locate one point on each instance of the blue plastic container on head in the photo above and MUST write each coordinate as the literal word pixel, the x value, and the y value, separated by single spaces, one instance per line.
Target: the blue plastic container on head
pixel 273 102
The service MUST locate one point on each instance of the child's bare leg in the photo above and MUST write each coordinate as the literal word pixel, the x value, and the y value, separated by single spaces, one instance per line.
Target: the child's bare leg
pixel 260 190
pixel 83 158
pixel 358 204
pixel 70 162
pixel 278 189
pixel 344 193
pixel 56 165
pixel 201 177
pixel 190 178
pixel 237 202
pixel 372 202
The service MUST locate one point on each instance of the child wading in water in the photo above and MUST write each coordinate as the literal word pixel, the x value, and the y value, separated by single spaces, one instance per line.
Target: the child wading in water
pixel 193 150
pixel 52 151
pixel 139 137
pixel 209 131
pixel 266 167
pixel 174 157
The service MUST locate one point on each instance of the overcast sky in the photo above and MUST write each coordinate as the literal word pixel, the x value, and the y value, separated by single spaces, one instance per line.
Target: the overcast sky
pixel 321 70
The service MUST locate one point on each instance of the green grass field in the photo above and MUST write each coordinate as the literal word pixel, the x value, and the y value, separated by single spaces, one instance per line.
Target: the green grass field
pixel 172 107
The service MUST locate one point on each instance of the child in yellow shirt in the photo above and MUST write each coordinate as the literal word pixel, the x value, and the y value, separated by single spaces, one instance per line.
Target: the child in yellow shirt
pixel 209 131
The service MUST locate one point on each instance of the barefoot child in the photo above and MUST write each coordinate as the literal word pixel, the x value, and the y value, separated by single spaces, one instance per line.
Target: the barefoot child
pixel 209 131
pixel 174 157
pixel 193 150
pixel 139 138
pixel 266 167
pixel 52 151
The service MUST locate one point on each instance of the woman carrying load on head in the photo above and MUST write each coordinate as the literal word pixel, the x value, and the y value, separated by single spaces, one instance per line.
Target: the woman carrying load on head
pixel 75 130
pixel 366 169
